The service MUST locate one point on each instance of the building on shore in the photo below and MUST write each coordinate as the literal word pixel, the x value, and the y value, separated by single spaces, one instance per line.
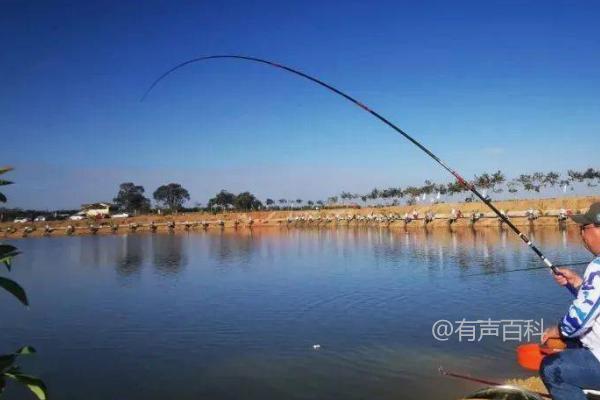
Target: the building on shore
pixel 97 210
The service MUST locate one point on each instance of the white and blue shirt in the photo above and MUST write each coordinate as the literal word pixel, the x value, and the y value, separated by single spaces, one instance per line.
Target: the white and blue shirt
pixel 583 321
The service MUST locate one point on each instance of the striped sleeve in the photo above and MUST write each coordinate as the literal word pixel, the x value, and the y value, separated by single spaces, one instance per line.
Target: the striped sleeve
pixel 585 308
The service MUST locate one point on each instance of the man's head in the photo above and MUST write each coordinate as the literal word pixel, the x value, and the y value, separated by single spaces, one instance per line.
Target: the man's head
pixel 589 224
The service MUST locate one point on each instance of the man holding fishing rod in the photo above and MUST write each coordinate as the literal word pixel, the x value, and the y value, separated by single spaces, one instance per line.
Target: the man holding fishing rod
pixel 567 373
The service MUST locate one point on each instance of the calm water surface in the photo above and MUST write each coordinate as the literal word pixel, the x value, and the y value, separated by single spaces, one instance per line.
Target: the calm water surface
pixel 224 315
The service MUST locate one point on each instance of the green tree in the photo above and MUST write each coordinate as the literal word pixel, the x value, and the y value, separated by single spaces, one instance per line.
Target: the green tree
pixel 590 175
pixel 455 188
pixel 374 195
pixel 413 193
pixel 497 180
pixel 131 198
pixel 269 202
pixel 527 182
pixel 246 201
pixel 552 179
pixel 222 199
pixel 428 187
pixel 512 186
pixel 171 196
pixel 8 367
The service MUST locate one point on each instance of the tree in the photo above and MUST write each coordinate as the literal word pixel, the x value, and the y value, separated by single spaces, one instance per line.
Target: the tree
pixel 590 174
pixel 512 186
pixel 497 179
pixel 310 203
pixel 223 199
pixel 551 179
pixel 131 198
pixel 246 201
pixel 374 195
pixel 527 182
pixel 455 188
pixel 8 367
pixel 413 193
pixel 483 181
pixel 428 187
pixel 171 196
pixel 269 202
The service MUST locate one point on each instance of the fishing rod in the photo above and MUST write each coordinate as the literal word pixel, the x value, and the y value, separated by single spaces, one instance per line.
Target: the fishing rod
pixel 443 372
pixel 528 269
pixel 459 178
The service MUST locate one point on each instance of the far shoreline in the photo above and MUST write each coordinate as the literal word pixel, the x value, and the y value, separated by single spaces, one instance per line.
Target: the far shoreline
pixel 546 213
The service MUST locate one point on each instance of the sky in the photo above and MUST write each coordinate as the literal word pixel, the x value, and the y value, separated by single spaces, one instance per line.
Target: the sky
pixel 510 85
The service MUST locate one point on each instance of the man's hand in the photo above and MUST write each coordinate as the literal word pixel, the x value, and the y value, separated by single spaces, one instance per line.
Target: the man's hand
pixel 550 333
pixel 568 276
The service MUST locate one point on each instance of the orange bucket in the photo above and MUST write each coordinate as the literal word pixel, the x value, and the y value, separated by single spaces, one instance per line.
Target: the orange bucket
pixel 530 355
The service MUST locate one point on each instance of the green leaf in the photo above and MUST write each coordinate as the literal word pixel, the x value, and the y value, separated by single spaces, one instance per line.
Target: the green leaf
pixel 15 289
pixel 6 253
pixel 8 260
pixel 6 248
pixel 34 384
pixel 26 350
pixel 3 182
pixel 5 169
pixel 6 361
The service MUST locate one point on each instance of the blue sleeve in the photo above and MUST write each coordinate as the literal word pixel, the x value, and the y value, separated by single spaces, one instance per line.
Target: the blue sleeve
pixel 585 308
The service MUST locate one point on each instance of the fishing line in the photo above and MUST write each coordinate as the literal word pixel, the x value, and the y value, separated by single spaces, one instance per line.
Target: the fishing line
pixel 459 178
pixel 528 269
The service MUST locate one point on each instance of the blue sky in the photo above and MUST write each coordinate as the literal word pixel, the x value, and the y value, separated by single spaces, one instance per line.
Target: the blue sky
pixel 486 85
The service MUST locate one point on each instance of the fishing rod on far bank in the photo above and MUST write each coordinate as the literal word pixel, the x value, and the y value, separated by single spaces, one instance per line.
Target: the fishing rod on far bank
pixel 458 177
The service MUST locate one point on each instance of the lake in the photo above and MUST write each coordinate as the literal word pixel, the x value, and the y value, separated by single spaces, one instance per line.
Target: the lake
pixel 236 315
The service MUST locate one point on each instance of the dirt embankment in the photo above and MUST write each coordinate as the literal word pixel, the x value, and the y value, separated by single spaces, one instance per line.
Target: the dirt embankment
pixel 477 214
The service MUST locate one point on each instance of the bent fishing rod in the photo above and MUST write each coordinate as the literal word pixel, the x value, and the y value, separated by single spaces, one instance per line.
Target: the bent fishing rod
pixel 459 178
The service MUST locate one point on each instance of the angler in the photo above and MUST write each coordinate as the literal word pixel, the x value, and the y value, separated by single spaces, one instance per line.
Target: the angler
pixel 567 373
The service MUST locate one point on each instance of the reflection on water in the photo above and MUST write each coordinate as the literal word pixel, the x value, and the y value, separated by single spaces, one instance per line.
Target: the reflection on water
pixel 130 257
pixel 228 315
pixel 169 258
